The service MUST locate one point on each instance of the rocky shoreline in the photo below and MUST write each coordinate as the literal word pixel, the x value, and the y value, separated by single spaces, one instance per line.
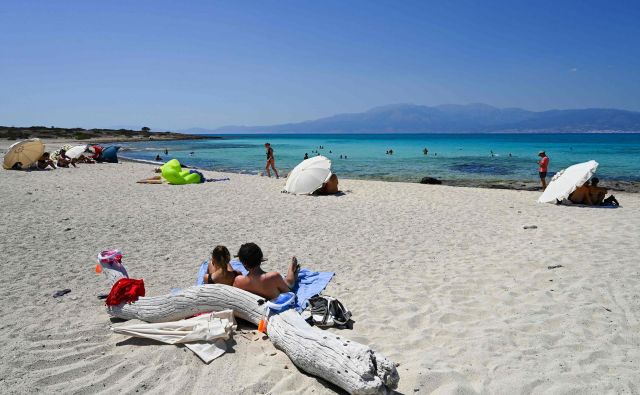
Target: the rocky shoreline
pixel 611 185
pixel 518 185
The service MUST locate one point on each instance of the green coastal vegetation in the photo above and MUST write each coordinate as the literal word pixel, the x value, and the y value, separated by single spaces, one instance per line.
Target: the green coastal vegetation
pixel 52 132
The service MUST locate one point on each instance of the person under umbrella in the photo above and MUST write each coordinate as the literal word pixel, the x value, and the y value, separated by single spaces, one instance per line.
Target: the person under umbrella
pixel 26 153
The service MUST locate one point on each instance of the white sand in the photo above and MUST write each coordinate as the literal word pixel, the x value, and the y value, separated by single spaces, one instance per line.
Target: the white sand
pixel 445 281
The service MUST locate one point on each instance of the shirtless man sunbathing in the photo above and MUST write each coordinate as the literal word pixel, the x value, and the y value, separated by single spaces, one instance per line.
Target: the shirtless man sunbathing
pixel 598 195
pixel 330 187
pixel 268 285
pixel 581 195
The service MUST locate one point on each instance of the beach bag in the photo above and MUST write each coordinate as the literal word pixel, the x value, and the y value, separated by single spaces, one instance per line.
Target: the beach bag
pixel 326 311
pixel 125 290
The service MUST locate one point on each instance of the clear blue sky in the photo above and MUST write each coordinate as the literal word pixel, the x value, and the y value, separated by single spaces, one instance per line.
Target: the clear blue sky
pixel 180 64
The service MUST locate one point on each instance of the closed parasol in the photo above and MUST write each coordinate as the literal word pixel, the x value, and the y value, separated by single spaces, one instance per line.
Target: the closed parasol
pixel 566 181
pixel 26 152
pixel 308 175
pixel 205 335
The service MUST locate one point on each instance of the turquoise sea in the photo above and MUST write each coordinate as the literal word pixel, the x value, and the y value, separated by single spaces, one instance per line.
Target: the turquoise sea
pixel 477 157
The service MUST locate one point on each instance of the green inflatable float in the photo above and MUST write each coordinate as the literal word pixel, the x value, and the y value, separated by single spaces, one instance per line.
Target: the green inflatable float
pixel 173 173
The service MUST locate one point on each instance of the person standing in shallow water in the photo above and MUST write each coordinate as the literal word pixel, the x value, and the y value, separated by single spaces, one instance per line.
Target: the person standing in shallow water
pixel 543 164
pixel 271 161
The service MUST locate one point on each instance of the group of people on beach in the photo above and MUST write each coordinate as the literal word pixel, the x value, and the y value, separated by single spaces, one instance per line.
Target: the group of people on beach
pixel 266 284
pixel 45 161
pixel 591 194
pixel 329 187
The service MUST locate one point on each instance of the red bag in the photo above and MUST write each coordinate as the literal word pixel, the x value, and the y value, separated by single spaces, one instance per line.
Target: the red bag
pixel 125 290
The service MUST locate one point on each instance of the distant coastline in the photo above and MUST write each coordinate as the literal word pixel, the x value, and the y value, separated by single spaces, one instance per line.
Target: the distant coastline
pixel 453 118
pixel 94 135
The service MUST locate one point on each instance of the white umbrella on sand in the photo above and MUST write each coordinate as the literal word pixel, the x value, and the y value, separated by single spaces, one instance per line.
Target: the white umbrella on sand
pixel 308 176
pixel 205 334
pixel 566 181
pixel 76 151
pixel 26 152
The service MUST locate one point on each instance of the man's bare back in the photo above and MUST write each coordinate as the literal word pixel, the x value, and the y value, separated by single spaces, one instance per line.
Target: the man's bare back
pixel 581 195
pixel 266 284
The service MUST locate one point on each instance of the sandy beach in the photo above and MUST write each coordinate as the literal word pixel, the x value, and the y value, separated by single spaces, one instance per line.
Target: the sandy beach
pixel 444 281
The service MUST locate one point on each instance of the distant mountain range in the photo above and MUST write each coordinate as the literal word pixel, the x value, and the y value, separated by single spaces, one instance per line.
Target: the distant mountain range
pixel 451 118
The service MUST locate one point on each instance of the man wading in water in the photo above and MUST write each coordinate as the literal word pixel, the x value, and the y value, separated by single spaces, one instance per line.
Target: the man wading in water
pixel 271 162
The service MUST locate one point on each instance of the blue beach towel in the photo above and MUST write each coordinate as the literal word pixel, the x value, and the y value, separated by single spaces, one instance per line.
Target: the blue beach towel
pixel 309 283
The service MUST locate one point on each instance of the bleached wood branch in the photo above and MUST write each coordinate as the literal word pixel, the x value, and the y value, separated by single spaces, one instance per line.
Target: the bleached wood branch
pixel 349 365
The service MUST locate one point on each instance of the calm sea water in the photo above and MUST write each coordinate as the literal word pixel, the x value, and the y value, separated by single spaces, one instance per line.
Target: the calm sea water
pixel 451 156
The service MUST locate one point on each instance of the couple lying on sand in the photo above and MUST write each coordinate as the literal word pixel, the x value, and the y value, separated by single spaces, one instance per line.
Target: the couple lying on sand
pixel 592 195
pixel 266 284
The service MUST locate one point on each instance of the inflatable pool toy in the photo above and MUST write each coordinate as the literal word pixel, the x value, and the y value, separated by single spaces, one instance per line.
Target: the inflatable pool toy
pixel 173 173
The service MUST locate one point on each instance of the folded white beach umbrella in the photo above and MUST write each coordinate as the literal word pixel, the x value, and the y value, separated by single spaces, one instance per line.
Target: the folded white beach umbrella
pixel 308 176
pixel 26 152
pixel 205 335
pixel 76 151
pixel 566 181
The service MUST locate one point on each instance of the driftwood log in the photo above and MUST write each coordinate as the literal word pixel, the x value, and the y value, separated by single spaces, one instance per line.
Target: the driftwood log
pixel 350 365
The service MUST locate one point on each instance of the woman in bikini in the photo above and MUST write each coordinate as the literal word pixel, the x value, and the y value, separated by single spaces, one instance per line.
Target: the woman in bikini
pixel 220 270
pixel 271 161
